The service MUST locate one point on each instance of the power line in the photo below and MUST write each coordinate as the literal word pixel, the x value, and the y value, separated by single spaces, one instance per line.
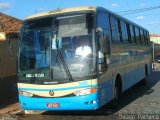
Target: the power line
pixel 144 15
pixel 137 10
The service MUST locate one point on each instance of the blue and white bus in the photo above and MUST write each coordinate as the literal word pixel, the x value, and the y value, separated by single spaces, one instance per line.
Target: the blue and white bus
pixel 79 58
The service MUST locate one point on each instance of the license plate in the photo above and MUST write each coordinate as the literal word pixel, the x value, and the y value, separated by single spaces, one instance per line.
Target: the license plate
pixel 53 105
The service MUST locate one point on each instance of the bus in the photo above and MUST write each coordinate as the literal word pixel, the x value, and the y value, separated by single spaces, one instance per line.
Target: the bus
pixel 79 58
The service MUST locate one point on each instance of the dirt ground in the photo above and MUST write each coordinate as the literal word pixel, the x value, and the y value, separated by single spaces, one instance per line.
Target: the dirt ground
pixel 10 106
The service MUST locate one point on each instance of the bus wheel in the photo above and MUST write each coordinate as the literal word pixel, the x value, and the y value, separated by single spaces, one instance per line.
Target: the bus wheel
pixel 144 81
pixel 117 94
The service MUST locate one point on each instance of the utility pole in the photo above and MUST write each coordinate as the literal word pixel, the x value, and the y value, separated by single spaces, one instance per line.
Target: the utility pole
pixel 153 50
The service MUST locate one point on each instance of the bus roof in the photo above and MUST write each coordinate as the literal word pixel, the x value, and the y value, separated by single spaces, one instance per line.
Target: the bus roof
pixel 80 8
pixel 65 10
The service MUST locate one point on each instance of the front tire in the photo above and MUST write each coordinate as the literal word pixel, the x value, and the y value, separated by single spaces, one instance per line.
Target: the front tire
pixel 117 93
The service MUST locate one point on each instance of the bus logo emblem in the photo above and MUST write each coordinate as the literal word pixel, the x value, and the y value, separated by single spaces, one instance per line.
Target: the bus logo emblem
pixel 51 93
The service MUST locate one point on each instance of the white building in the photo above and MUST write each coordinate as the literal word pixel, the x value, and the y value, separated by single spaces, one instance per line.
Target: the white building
pixel 155 38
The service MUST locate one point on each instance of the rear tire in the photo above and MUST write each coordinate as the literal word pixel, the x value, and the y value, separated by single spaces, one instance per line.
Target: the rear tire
pixel 144 81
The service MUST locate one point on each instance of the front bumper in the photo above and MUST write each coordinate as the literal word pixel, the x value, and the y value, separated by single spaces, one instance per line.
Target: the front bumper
pixel 87 102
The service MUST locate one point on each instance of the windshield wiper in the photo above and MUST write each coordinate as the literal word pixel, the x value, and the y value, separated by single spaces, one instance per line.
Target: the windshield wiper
pixel 63 62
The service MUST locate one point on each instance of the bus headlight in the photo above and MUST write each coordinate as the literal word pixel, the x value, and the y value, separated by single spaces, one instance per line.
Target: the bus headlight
pixel 85 91
pixel 26 94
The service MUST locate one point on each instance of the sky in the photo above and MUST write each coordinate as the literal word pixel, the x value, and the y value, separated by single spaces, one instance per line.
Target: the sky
pixel 149 19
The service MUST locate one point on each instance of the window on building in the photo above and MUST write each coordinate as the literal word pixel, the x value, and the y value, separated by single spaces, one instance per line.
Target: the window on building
pixel 10 49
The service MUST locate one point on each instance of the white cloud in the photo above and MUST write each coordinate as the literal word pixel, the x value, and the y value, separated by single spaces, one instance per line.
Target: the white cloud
pixel 140 17
pixel 4 6
pixel 114 5
pixel 39 10
pixel 143 4
pixel 154 22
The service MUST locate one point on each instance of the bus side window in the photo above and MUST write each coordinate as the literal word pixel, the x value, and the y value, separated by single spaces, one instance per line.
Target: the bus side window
pixel 114 30
pixel 146 38
pixel 124 32
pixel 144 34
pixel 137 35
pixel 142 37
pixel 132 34
pixel 103 23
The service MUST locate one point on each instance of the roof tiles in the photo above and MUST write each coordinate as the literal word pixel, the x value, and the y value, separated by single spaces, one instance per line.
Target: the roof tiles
pixel 9 24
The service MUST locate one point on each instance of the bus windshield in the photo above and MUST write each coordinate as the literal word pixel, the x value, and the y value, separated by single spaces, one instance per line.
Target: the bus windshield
pixel 59 48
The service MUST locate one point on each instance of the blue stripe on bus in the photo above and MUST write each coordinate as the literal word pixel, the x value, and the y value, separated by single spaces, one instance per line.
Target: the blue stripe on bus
pixel 57 89
pixel 67 103
pixel 101 96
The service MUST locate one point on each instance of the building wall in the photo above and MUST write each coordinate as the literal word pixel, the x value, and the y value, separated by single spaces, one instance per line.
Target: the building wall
pixel 8 66
pixel 156 50
pixel 7 60
pixel 156 40
pixel 9 29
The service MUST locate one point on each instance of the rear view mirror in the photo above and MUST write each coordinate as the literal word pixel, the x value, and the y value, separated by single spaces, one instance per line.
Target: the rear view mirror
pixel 100 34
pixel 103 40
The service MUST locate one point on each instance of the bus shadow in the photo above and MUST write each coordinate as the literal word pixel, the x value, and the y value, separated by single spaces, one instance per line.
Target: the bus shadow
pixel 129 96
pixel 78 113
pixel 136 92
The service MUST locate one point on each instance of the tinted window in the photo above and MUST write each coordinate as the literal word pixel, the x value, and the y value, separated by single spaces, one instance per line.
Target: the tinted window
pixel 142 37
pixel 132 34
pixel 148 38
pixel 145 37
pixel 103 22
pixel 124 32
pixel 137 35
pixel 114 30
